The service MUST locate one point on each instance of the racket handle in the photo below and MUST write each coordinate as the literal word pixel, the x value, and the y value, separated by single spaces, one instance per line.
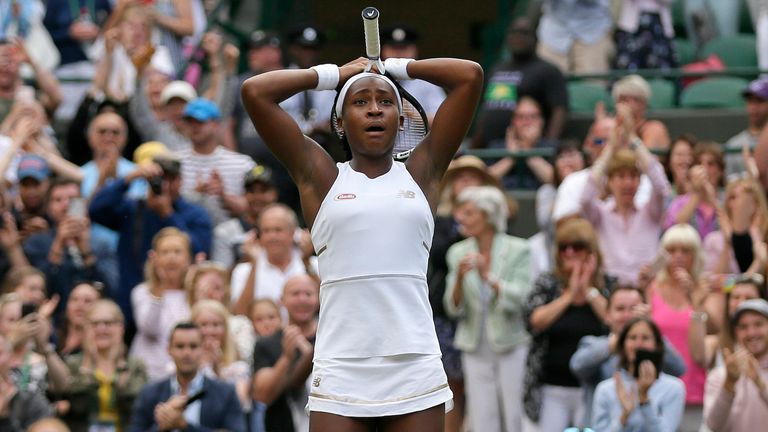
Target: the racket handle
pixel 371 28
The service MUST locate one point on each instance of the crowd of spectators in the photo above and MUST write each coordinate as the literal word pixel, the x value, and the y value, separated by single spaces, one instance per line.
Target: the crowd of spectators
pixel 156 272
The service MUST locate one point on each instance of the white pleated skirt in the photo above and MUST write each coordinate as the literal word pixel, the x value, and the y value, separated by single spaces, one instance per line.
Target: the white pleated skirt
pixel 379 386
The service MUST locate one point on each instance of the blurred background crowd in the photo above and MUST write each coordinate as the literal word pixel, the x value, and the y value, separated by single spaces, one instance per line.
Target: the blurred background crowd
pixel 599 255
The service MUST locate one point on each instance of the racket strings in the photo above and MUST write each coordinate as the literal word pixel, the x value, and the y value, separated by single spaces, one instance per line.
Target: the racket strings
pixel 414 128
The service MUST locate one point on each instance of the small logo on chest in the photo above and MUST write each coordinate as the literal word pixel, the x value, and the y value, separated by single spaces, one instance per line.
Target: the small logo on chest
pixel 316 381
pixel 345 196
pixel 406 194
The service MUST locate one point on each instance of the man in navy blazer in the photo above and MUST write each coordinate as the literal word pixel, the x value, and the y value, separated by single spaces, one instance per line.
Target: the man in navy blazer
pixel 188 400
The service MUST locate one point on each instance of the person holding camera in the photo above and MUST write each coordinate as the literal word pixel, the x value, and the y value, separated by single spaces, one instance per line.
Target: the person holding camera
pixel 639 397
pixel 137 221
pixel 70 251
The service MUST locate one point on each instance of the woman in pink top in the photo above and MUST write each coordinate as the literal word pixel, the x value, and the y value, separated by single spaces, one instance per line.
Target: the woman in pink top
pixel 698 207
pixel 678 304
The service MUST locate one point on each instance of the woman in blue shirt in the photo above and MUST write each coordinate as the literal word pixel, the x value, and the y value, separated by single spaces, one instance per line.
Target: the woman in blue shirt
pixel 652 402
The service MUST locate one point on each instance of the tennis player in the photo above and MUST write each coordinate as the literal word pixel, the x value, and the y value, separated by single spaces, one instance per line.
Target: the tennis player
pixel 377 361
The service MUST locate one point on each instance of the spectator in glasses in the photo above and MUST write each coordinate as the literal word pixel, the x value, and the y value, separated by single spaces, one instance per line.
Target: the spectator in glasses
pixel 563 306
pixel 524 132
pixel 104 380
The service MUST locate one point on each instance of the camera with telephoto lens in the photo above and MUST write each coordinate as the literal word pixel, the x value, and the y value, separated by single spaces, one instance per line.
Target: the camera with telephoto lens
pixel 170 168
pixel 156 184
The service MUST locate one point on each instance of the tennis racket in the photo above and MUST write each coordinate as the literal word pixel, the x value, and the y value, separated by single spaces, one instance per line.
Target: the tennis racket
pixel 415 121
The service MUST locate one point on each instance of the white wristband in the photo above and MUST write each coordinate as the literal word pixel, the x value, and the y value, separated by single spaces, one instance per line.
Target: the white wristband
pixel 327 76
pixel 398 68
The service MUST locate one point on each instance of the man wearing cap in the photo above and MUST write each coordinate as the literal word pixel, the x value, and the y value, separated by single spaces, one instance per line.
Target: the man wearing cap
pixel 756 98
pixel 138 220
pixel 34 176
pixel 736 395
pixel 399 41
pixel 70 250
pixel 211 174
pixel 168 129
pixel 229 236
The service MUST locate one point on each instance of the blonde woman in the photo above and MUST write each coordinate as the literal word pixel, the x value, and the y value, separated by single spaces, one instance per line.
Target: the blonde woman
pixel 104 381
pixel 160 302
pixel 685 311
pixel 210 281
pixel 220 357
pixel 744 214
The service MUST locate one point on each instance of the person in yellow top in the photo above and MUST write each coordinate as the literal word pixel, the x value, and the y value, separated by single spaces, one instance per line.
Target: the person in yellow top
pixel 104 381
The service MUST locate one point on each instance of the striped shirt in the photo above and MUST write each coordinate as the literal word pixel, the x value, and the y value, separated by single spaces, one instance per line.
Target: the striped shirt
pixel 197 167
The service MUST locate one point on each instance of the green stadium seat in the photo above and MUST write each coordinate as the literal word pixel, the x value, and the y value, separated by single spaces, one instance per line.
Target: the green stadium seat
pixel 662 94
pixel 734 51
pixel 583 95
pixel 686 51
pixel 717 92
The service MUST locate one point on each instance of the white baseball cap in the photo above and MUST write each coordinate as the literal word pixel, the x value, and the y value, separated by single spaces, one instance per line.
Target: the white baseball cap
pixel 177 89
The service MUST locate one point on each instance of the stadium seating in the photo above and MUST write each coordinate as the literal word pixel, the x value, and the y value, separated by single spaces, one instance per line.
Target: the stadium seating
pixel 734 51
pixel 718 92
pixel 662 94
pixel 583 95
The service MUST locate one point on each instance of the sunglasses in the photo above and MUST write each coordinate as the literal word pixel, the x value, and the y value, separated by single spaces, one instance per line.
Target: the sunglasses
pixel 576 246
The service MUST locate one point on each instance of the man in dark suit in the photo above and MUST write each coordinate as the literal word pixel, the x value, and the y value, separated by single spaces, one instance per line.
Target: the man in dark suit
pixel 163 405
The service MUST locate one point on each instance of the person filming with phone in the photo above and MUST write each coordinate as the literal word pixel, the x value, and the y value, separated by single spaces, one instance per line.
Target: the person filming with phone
pixel 187 400
pixel 639 397
pixel 69 251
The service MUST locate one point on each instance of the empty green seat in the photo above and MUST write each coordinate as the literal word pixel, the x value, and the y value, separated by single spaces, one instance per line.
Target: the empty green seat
pixel 685 50
pixel 734 51
pixel 662 94
pixel 720 92
pixel 583 95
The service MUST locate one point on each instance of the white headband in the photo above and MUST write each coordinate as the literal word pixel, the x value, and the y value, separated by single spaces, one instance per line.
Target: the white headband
pixel 348 84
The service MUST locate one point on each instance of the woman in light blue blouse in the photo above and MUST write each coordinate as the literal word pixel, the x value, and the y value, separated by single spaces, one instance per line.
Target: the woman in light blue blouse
pixel 650 402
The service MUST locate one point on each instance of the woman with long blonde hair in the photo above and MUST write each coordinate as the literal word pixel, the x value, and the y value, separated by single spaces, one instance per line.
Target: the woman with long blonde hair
pixel 160 301
pixel 220 357
pixel 209 280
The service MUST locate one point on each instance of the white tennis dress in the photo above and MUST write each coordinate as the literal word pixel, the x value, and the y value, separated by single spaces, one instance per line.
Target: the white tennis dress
pixel 376 352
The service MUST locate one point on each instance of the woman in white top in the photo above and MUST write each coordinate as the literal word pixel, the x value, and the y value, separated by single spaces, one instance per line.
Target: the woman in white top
pixel 160 301
pixel 377 361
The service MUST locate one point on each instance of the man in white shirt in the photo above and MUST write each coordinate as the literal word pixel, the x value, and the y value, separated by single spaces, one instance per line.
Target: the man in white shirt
pixel 212 175
pixel 277 253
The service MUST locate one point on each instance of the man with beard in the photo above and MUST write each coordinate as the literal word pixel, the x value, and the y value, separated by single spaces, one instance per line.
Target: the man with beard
pixel 736 395
pixel 187 400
